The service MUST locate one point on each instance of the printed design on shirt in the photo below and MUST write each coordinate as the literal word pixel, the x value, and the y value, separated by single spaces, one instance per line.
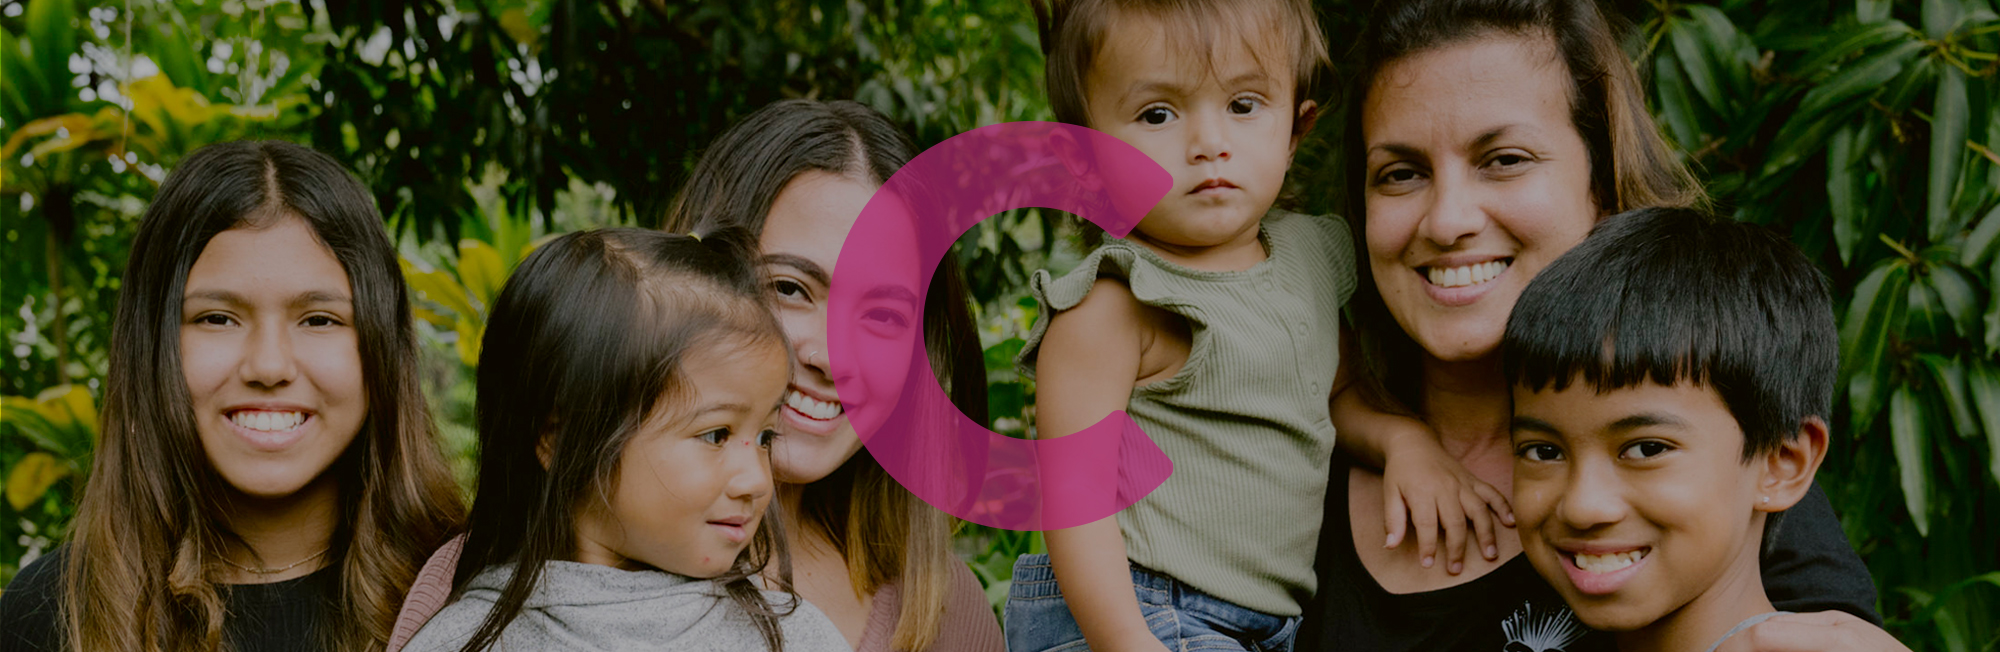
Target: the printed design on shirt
pixel 1541 630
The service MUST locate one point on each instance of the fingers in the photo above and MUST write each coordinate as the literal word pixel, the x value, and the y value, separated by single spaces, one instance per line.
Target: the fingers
pixel 1451 515
pixel 1394 515
pixel 1425 519
pixel 1482 518
pixel 1495 501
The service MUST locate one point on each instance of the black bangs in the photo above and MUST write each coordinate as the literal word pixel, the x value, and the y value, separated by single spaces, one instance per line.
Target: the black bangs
pixel 1666 295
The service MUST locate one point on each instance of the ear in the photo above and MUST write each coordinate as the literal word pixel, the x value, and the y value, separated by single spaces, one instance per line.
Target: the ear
pixel 1788 469
pixel 1303 123
pixel 545 447
pixel 1081 166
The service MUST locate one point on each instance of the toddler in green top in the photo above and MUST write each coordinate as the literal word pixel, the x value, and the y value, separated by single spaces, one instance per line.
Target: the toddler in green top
pixel 1215 324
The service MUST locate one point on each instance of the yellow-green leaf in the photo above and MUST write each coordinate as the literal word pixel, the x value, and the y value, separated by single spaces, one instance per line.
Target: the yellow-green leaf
pixel 469 332
pixel 439 287
pixel 480 268
pixel 72 403
pixel 31 477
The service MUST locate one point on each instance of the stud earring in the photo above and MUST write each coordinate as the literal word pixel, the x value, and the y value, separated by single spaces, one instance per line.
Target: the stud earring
pixel 1767 500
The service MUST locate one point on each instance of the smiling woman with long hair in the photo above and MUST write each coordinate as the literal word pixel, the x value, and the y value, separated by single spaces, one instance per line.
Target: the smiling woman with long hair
pixel 267 476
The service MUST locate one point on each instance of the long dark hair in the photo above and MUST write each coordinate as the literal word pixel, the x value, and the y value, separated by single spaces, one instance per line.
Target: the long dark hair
pixel 1631 165
pixel 585 341
pixel 885 533
pixel 149 531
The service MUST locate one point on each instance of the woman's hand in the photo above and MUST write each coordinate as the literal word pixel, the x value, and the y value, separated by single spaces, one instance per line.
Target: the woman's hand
pixel 1825 631
pixel 1427 488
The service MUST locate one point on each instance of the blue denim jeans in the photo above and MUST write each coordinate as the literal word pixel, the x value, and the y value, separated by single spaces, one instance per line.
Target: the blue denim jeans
pixel 1038 619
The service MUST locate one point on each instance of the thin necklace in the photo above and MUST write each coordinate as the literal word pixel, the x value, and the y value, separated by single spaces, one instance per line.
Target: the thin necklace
pixel 273 571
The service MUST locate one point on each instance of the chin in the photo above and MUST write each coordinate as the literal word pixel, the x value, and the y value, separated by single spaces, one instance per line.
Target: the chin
pixel 1614 617
pixel 267 484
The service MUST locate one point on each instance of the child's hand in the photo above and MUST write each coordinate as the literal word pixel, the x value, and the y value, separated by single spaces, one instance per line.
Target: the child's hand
pixel 1437 491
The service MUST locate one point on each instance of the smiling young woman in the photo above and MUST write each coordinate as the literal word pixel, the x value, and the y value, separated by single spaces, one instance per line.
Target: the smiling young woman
pixel 267 477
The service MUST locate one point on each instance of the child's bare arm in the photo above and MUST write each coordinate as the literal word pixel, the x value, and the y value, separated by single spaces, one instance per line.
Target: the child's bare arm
pixel 1089 361
pixel 1423 487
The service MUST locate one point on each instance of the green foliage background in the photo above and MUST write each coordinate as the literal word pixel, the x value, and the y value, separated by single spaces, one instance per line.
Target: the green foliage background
pixel 1867 129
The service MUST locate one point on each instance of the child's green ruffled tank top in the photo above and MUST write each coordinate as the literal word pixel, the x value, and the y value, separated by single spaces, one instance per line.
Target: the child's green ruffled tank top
pixel 1245 420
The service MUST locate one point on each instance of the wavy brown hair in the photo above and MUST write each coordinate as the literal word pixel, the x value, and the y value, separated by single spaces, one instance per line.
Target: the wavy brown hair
pixel 589 340
pixel 1631 165
pixel 142 568
pixel 884 533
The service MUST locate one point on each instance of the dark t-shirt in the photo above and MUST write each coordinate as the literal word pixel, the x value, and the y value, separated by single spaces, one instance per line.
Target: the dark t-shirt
pixel 1807 566
pixel 277 616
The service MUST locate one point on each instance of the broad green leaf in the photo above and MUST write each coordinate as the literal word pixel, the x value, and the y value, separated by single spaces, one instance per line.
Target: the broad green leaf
pixel 1862 78
pixel 1675 109
pixel 1703 72
pixel 1869 11
pixel 31 477
pixel 1843 191
pixel 25 90
pixel 480 268
pixel 1927 319
pixel 1950 377
pixel 1848 43
pixel 70 404
pixel 53 37
pixel 432 316
pixel 1948 128
pixel 1959 293
pixel 1908 435
pixel 1993 310
pixel 1876 312
pixel 1940 16
pixel 1982 385
pixel 1827 106
pixel 1730 51
pixel 1985 236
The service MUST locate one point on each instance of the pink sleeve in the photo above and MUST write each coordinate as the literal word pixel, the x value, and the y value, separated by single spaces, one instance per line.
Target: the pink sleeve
pixel 969 624
pixel 428 593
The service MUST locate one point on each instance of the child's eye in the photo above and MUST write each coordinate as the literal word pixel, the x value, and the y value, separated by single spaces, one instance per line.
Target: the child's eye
pixel 1157 115
pixel 716 437
pixel 766 437
pixel 1245 105
pixel 1539 452
pixel 1646 450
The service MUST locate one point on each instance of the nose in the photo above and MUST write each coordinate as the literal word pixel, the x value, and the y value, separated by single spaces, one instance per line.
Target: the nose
pixel 1593 498
pixel 1208 138
pixel 268 360
pixel 1456 211
pixel 749 468
pixel 807 332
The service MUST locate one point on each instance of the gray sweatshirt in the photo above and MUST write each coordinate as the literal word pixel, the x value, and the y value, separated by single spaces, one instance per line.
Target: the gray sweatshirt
pixel 580 606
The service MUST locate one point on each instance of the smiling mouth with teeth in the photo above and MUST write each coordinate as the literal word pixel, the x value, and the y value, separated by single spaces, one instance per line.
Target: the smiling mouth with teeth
pixel 813 408
pixel 1452 277
pixel 1608 563
pixel 266 421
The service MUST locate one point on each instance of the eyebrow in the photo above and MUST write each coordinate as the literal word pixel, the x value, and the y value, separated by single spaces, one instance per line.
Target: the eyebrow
pixel 1482 141
pixel 1537 425
pixel 807 267
pixel 891 292
pixel 1647 419
pixel 1173 88
pixel 306 298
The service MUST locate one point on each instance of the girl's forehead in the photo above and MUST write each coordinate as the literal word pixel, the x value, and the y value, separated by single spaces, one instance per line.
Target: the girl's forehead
pixel 1153 52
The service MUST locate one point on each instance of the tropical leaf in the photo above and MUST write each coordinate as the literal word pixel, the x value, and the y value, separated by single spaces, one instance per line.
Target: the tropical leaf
pixel 1909 425
pixel 1949 124
pixel 31 477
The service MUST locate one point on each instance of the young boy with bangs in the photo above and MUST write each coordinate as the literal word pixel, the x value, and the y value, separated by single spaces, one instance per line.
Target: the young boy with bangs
pixel 1672 378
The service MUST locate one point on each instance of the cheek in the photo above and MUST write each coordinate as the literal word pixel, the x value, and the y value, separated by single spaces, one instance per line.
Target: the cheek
pixel 206 360
pixel 1392 223
pixel 334 364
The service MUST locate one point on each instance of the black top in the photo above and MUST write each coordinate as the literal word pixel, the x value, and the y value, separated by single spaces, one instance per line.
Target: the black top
pixel 1807 566
pixel 276 616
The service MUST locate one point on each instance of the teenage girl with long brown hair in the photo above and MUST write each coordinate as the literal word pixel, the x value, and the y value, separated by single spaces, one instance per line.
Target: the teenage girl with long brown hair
pixel 267 478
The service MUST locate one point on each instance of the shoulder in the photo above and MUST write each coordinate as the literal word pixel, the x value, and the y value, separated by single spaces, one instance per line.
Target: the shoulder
pixel 30 607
